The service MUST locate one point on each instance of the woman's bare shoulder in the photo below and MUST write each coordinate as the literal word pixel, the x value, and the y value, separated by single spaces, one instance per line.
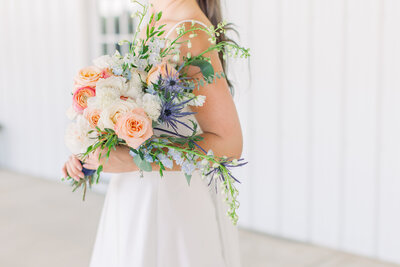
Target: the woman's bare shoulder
pixel 172 24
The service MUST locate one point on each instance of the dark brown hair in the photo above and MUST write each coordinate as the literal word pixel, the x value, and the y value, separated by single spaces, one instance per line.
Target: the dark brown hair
pixel 212 9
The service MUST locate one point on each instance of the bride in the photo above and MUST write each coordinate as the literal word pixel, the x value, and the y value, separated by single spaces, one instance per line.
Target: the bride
pixel 153 221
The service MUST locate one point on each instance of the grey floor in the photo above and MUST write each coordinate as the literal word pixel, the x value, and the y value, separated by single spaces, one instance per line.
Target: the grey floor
pixel 43 224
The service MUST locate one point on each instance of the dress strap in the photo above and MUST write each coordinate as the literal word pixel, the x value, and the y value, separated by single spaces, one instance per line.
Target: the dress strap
pixel 183 21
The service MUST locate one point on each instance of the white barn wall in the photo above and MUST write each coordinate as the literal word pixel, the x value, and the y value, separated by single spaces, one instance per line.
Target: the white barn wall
pixel 320 112
pixel 241 79
pixel 325 114
pixel 388 230
pixel 295 118
pixel 362 94
pixel 327 88
pixel 266 135
pixel 42 47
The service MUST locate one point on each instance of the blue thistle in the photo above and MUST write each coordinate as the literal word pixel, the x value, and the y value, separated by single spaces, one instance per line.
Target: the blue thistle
pixel 218 172
pixel 171 83
pixel 172 112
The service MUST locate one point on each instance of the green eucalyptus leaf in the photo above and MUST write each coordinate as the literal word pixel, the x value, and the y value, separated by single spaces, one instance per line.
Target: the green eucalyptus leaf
pixel 205 67
pixel 142 164
pixel 141 155
pixel 188 178
pixel 154 124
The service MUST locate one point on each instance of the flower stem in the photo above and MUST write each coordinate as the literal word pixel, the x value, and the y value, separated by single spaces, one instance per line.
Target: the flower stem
pixel 179 135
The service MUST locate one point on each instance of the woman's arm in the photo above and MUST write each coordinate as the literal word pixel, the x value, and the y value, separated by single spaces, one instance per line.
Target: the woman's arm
pixel 218 117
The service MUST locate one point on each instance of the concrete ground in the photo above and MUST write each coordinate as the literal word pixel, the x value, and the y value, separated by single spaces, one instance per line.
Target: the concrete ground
pixel 43 224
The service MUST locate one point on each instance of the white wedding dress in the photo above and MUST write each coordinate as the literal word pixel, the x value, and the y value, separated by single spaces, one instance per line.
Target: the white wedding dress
pixel 163 222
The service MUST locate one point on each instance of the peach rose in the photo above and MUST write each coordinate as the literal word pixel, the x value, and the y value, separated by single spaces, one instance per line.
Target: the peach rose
pixel 134 127
pixel 110 114
pixel 88 77
pixel 80 97
pixel 92 115
pixel 163 69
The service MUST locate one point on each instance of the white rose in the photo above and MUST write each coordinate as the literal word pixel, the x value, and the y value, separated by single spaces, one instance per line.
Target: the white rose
pixel 134 88
pixel 152 106
pixel 108 61
pixel 77 137
pixel 103 62
pixel 110 114
pixel 109 90
pixel 115 82
pixel 71 113
pixel 93 103
pixel 107 98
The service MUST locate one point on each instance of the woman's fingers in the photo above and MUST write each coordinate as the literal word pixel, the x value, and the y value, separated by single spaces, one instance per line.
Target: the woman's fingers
pixel 73 168
pixel 64 171
pixel 90 166
pixel 92 161
pixel 74 172
pixel 71 172
pixel 76 163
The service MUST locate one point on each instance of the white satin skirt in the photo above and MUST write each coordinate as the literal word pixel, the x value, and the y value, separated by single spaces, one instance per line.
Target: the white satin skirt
pixel 163 222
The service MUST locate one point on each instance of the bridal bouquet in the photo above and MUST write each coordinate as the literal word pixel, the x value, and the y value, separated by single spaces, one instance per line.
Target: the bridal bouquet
pixel 141 100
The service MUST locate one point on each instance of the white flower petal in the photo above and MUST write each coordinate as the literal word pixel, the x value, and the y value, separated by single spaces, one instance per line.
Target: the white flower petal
pixel 152 106
pixel 71 113
pixel 103 62
pixel 110 114
pixel 77 137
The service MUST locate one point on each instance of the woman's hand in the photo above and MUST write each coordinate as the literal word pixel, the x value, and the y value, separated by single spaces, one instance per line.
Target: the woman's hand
pixel 92 161
pixel 119 161
pixel 73 168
